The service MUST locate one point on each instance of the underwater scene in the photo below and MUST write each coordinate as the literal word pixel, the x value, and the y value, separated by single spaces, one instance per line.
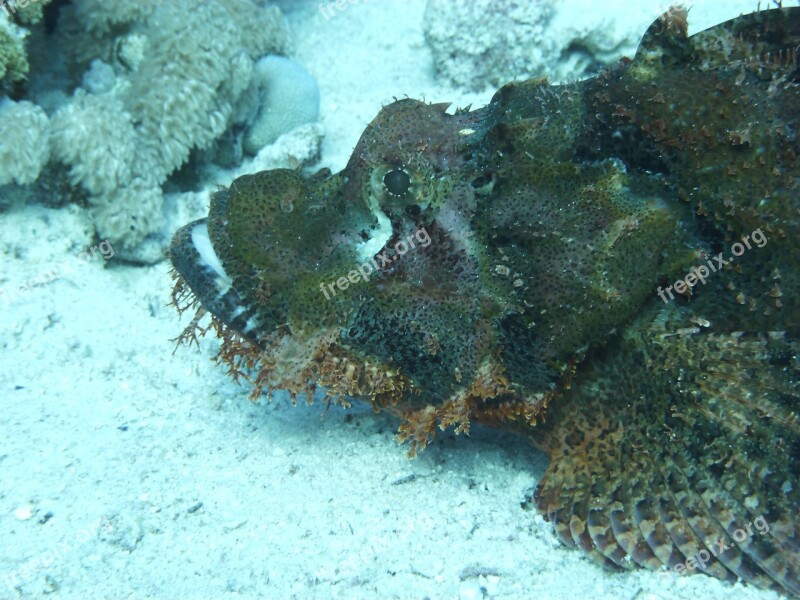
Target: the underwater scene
pixel 413 299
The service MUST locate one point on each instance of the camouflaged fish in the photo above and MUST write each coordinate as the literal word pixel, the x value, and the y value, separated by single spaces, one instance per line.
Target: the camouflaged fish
pixel 608 267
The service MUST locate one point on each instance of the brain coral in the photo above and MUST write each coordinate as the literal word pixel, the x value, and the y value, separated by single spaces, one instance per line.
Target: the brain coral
pixel 290 99
pixel 181 67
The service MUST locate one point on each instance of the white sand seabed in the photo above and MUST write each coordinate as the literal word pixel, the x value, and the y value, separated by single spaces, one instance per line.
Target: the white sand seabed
pixel 130 472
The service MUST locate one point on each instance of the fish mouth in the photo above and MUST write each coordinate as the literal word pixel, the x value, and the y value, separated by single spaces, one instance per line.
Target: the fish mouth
pixel 194 258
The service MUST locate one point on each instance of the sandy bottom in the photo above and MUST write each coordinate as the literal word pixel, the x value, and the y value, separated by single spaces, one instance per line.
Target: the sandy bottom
pixel 130 472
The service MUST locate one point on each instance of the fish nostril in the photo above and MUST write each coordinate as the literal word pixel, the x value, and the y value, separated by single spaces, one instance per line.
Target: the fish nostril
pixel 397 182
pixel 413 210
pixel 482 181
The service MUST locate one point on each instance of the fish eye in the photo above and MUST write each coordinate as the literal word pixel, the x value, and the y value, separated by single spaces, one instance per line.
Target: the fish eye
pixel 397 182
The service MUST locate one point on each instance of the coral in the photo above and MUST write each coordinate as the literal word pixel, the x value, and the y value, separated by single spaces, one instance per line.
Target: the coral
pixel 25 148
pixel 179 72
pixel 501 266
pixel 14 64
pixel 31 13
pixel 474 50
pixel 519 40
pixel 96 137
pixel 586 47
pixel 288 97
pixel 103 151
pixel 13 59
pixel 99 78
pixel 90 30
pixel 298 147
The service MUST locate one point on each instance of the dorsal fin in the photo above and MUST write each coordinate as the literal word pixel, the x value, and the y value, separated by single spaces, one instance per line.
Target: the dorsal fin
pixel 771 36
pixel 667 39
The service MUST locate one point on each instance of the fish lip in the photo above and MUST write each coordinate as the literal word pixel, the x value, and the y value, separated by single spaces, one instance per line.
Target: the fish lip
pixel 205 249
pixel 194 258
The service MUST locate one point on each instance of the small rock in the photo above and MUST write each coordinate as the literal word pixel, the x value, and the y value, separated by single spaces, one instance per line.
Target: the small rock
pixel 234 525
pixel 470 591
pixel 122 531
pixel 25 512
pixel 404 479
pixel 50 585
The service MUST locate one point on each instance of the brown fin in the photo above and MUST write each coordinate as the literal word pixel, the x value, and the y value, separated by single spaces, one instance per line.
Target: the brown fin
pixel 771 36
pixel 751 396
pixel 566 490
pixel 666 40
pixel 673 447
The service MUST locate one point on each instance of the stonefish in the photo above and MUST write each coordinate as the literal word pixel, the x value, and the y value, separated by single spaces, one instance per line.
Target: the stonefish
pixel 608 267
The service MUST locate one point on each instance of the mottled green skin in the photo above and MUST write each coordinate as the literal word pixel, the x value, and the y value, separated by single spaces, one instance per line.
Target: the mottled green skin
pixel 530 253
pixel 554 214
